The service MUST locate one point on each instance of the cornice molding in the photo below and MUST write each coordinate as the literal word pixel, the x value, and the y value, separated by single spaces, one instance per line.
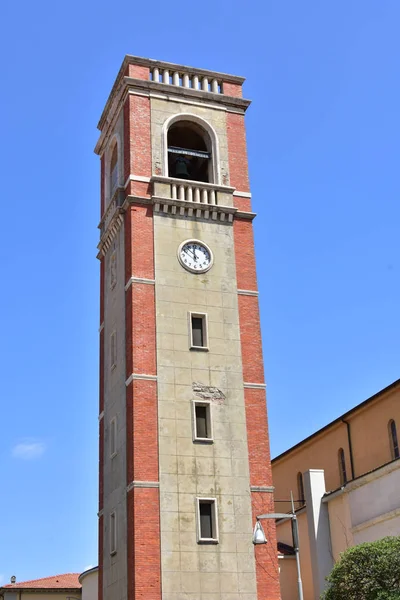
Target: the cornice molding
pixel 139 280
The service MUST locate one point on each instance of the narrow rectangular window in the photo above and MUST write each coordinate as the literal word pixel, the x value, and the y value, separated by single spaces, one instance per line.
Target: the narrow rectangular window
pixel 113 437
pixel 207 520
pixel 113 270
pixel 113 349
pixel 202 423
pixel 198 331
pixel 113 533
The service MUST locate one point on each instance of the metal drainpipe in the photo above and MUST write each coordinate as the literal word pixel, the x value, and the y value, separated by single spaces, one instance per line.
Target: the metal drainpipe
pixel 350 447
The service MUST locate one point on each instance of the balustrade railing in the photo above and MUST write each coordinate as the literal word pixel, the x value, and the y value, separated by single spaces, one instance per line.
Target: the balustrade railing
pixel 186 80
pixel 193 193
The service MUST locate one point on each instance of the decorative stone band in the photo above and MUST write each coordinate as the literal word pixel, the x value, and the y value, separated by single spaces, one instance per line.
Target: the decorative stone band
pixel 136 178
pixel 110 233
pixel 265 489
pixel 193 209
pixel 255 386
pixel 242 214
pixel 140 376
pixel 242 194
pixel 142 484
pixel 101 327
pixel 247 292
pixel 101 415
pixel 139 280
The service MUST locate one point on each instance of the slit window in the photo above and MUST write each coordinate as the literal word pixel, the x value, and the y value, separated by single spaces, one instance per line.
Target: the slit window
pixel 394 443
pixel 342 467
pixel 114 169
pixel 113 350
pixel 202 422
pixel 198 331
pixel 113 533
pixel 113 437
pixel 300 488
pixel 207 520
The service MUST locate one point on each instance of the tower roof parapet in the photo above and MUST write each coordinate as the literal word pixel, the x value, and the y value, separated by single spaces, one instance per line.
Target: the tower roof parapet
pixel 155 76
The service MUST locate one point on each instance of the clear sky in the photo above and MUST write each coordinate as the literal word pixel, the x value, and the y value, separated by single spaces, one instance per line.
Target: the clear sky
pixel 323 142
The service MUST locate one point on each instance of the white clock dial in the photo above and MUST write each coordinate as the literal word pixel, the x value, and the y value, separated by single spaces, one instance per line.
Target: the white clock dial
pixel 195 256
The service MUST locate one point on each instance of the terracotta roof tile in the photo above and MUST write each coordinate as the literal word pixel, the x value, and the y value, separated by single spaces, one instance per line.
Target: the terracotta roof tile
pixel 65 581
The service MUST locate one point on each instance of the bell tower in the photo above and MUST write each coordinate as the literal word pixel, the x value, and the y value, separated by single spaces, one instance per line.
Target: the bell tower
pixel 184 451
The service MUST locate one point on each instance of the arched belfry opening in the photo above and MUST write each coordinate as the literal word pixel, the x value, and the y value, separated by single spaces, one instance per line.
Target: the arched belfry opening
pixel 189 152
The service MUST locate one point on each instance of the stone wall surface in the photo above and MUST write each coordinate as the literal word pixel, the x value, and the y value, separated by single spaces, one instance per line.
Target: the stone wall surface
pixel 188 470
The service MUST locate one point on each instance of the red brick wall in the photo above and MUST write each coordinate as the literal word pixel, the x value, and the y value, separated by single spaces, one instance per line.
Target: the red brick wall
pixel 255 405
pixel 238 170
pixel 245 257
pixel 144 562
pixel 267 570
pixel 137 72
pixel 232 89
pixel 137 143
pixel 250 333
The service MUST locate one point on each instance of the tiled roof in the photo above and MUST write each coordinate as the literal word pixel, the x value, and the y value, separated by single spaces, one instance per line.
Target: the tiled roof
pixel 65 581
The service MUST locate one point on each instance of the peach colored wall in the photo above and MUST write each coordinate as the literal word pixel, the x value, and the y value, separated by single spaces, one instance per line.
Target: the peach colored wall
pixel 288 577
pixel 284 534
pixel 319 453
pixel 369 432
pixel 370 442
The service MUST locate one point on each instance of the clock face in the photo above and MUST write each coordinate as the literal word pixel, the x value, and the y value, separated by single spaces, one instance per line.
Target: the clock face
pixel 195 256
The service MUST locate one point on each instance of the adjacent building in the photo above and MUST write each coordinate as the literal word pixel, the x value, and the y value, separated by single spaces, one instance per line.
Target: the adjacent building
pixel 184 447
pixel 346 480
pixel 59 587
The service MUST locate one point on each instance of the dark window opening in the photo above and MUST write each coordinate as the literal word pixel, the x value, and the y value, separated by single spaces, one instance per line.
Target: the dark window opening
pixel 342 467
pixel 114 169
pixel 207 516
pixel 201 421
pixel 393 439
pixel 189 155
pixel 300 488
pixel 197 332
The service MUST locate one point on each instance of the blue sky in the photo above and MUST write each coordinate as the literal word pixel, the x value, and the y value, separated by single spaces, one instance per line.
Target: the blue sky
pixel 323 139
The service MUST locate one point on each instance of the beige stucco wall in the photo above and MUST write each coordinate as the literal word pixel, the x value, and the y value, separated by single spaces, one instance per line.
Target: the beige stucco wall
pixel 25 595
pixel 187 470
pixel 340 525
pixel 90 584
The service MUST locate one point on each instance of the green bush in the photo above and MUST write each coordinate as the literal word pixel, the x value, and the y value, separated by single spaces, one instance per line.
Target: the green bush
pixel 370 571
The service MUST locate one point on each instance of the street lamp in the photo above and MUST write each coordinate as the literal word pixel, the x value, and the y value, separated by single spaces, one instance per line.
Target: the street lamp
pixel 259 537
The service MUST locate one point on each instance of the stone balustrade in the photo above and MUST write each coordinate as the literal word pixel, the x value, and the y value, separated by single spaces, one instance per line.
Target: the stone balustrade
pixel 186 80
pixel 193 192
pixel 192 198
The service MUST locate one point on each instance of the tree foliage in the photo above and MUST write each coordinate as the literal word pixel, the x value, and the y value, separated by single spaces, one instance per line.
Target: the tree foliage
pixel 369 571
